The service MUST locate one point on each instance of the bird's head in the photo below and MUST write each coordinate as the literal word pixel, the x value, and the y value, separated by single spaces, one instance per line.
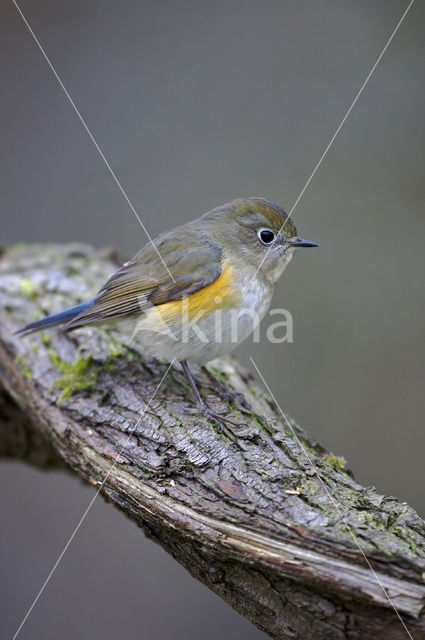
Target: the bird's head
pixel 259 232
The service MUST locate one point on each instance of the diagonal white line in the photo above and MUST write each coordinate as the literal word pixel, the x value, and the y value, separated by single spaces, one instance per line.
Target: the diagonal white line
pixel 334 502
pixel 341 124
pixel 91 136
pixel 83 517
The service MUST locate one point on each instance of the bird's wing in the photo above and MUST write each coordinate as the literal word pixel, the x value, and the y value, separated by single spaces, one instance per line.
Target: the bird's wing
pixel 145 281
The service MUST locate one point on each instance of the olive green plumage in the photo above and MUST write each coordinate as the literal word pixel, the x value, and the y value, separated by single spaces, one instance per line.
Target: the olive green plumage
pixel 186 259
pixel 193 254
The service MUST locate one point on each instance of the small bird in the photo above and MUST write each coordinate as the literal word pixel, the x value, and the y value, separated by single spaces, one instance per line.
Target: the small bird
pixel 196 291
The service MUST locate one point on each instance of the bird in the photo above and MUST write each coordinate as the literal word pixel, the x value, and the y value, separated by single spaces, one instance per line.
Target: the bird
pixel 196 291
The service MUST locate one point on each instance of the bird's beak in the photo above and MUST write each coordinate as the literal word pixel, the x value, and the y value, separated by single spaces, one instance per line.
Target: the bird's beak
pixel 300 242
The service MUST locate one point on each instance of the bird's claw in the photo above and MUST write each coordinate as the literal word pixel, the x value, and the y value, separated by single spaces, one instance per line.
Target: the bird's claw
pixel 230 396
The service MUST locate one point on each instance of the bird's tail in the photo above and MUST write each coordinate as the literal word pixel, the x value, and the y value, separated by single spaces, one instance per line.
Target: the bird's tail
pixel 56 318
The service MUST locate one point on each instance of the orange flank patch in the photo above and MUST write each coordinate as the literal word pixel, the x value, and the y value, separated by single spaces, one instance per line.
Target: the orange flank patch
pixel 220 294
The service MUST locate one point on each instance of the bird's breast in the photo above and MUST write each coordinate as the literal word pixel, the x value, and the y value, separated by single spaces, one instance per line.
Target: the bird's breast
pixel 208 323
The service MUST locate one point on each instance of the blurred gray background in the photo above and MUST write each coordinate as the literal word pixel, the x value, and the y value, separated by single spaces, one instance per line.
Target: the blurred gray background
pixel 194 104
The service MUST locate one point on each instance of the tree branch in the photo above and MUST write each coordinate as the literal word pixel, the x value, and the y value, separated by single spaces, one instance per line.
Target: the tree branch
pixel 249 517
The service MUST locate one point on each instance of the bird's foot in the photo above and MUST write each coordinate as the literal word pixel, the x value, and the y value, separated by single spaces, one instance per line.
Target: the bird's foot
pixel 230 396
pixel 218 417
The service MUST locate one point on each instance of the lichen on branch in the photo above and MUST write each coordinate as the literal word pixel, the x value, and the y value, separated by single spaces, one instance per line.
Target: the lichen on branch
pixel 279 534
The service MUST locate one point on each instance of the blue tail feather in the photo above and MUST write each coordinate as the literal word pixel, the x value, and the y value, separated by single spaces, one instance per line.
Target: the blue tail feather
pixel 56 318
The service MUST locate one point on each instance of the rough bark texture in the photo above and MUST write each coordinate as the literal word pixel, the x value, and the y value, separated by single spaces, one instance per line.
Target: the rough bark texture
pixel 259 519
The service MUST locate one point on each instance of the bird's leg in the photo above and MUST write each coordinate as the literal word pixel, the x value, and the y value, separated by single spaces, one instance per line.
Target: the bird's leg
pixel 202 406
pixel 226 394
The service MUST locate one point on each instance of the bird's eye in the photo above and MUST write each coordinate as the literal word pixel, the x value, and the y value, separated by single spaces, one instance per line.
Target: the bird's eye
pixel 266 236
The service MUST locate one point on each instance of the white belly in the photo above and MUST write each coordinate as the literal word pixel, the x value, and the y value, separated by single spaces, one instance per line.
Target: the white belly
pixel 203 338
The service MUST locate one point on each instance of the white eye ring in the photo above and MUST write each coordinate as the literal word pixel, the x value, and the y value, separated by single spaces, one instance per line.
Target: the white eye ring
pixel 266 236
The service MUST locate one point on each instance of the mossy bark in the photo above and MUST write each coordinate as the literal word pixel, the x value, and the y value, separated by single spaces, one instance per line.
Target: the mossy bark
pixel 274 528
